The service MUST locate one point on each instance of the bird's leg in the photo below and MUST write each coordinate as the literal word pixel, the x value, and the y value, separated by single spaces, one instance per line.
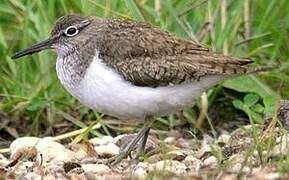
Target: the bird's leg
pixel 141 150
pixel 142 134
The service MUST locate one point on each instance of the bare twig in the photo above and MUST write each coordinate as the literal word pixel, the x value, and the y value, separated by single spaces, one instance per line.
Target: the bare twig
pixel 5 150
pixel 223 23
pixel 109 10
pixel 158 6
pixel 204 110
pixel 247 40
pixel 192 5
pixel 190 31
pixel 211 23
pixel 204 31
pixel 74 133
pixel 247 23
pixel 62 136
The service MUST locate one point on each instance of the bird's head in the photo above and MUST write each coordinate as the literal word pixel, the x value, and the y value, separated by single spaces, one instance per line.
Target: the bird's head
pixel 68 33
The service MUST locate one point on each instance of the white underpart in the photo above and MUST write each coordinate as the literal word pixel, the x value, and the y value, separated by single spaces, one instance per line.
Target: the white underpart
pixel 106 91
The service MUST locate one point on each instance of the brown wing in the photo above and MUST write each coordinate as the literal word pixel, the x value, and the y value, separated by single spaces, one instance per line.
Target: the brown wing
pixel 147 56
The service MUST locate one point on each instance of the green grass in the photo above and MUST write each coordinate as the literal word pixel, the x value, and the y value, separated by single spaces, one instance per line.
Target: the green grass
pixel 30 91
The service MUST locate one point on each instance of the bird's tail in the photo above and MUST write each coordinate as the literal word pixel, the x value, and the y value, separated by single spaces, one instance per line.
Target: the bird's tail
pixel 253 70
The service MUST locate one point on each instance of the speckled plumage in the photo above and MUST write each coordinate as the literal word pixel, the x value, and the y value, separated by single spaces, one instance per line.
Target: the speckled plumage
pixel 143 54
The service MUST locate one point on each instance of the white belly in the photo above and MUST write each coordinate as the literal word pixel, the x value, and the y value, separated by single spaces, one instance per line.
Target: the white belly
pixel 104 90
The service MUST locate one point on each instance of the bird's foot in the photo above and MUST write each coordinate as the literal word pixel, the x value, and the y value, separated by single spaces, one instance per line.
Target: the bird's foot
pixel 138 157
pixel 143 134
pixel 125 152
pixel 129 148
pixel 117 159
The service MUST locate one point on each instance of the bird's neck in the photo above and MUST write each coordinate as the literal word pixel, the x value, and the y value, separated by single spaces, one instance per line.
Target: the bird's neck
pixel 71 68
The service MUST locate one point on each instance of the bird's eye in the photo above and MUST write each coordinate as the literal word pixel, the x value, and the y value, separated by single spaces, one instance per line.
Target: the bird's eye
pixel 71 31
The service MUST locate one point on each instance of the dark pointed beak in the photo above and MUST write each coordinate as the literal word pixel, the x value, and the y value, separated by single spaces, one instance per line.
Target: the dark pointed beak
pixel 47 44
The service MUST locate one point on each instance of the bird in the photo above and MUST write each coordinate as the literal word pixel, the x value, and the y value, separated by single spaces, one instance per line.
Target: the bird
pixel 133 70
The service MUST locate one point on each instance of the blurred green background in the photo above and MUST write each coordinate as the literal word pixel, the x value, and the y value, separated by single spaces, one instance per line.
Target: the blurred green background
pixel 32 101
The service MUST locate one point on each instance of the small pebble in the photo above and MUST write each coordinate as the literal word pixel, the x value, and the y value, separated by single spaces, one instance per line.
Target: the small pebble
pixel 177 155
pixel 80 154
pixel 170 140
pixel 106 151
pixel 224 139
pixel 48 151
pixel 32 175
pixel 282 148
pixel 96 168
pixel 52 151
pixel 203 152
pixel 211 161
pixel 229 177
pixel 22 142
pixel 237 158
pixel 101 140
pixel 3 161
pixel 168 165
pixel 192 163
pixel 140 171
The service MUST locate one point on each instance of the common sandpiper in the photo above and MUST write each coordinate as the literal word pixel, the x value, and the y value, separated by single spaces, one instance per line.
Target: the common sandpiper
pixel 133 70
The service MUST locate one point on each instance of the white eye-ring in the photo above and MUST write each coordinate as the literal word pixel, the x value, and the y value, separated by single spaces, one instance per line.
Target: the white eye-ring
pixel 71 31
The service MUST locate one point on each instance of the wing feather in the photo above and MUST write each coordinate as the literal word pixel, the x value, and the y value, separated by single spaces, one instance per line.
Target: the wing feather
pixel 147 56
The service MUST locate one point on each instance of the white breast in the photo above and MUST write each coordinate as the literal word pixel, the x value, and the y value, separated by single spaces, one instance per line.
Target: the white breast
pixel 104 90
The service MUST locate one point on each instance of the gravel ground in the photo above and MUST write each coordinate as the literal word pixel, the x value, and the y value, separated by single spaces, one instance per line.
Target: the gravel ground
pixel 234 155
pixel 172 158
